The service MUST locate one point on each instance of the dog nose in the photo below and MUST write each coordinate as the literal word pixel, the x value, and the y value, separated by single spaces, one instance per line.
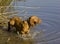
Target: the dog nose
pixel 25 32
pixel 39 21
pixel 34 22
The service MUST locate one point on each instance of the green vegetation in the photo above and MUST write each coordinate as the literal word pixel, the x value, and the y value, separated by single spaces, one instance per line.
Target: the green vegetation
pixel 5 13
pixel 4 6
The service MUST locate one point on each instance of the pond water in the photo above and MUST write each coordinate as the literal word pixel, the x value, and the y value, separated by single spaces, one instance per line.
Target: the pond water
pixel 49 12
pixel 48 32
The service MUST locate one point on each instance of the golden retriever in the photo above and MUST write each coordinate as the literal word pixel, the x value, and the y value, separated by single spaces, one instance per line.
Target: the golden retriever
pixel 23 27
pixel 33 20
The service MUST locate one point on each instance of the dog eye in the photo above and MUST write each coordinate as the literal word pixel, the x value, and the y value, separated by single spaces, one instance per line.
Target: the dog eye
pixel 25 32
pixel 34 22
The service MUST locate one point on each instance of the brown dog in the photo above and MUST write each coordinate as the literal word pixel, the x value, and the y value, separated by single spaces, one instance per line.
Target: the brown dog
pixel 14 22
pixel 23 27
pixel 33 20
pixel 30 22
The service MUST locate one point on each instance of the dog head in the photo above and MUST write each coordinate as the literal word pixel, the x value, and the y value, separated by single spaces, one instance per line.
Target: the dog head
pixel 14 20
pixel 33 20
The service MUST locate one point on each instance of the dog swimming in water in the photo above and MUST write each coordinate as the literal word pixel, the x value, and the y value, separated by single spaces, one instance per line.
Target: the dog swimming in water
pixel 23 27
pixel 30 22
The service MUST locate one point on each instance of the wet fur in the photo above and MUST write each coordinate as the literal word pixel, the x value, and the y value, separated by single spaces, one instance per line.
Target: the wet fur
pixel 14 22
pixel 23 27
pixel 33 20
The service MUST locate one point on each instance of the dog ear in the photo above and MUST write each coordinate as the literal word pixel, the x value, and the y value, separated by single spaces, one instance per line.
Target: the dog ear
pixel 10 23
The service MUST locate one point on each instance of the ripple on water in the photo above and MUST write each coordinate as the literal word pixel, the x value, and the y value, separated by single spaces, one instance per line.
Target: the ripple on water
pixel 49 29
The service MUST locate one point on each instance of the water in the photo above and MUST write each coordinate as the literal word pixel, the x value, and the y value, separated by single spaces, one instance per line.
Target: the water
pixel 49 12
pixel 48 32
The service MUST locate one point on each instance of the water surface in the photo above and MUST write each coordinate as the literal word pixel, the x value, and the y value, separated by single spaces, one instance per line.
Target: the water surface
pixel 49 12
pixel 48 32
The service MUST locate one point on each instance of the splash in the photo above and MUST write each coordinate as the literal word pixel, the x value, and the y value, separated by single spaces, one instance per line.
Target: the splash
pixel 31 35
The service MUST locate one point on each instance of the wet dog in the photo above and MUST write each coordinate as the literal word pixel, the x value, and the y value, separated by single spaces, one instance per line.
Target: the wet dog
pixel 33 20
pixel 23 27
pixel 14 22
pixel 30 22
